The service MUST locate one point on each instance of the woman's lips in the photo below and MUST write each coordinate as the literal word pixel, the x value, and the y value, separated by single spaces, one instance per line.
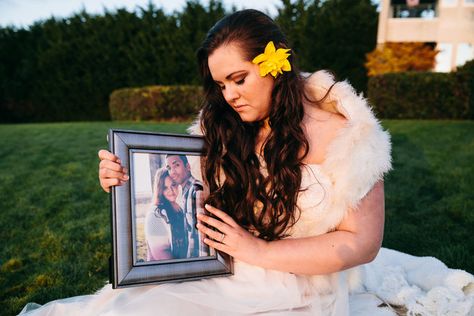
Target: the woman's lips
pixel 240 107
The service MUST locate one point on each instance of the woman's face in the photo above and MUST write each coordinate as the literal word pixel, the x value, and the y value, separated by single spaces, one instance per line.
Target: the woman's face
pixel 170 191
pixel 243 88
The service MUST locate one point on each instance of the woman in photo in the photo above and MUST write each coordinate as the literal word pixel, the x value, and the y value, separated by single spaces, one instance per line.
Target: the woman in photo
pixel 165 231
pixel 295 165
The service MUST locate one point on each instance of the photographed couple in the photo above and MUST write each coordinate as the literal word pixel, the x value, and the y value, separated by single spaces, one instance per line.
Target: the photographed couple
pixel 170 228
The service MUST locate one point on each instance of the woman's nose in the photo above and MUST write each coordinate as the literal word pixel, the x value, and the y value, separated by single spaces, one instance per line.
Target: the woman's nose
pixel 230 94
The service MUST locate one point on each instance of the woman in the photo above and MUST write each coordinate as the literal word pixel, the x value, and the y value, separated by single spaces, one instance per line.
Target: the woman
pixel 295 170
pixel 165 230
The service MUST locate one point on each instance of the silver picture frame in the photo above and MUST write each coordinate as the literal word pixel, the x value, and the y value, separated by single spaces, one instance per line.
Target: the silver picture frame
pixel 128 264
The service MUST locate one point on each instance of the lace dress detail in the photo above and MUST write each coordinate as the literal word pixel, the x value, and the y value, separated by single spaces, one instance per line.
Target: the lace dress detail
pixel 313 201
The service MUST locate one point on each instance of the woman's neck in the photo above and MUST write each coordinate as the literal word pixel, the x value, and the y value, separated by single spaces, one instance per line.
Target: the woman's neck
pixel 262 135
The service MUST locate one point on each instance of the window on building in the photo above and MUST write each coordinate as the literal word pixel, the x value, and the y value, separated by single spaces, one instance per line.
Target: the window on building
pixel 424 9
pixel 443 59
pixel 465 52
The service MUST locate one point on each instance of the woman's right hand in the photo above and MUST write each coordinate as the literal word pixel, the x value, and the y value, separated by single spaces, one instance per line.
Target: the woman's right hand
pixel 111 171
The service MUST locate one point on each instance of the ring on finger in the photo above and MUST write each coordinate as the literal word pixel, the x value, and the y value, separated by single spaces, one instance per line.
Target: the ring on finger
pixel 222 238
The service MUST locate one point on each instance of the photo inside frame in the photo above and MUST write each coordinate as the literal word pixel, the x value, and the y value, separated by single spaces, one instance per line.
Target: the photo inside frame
pixel 153 215
pixel 167 193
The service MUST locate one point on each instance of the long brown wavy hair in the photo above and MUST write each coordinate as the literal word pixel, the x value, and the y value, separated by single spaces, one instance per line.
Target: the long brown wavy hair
pixel 262 202
pixel 159 188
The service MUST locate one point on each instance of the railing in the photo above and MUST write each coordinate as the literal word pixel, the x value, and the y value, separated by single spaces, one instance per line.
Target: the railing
pixel 423 11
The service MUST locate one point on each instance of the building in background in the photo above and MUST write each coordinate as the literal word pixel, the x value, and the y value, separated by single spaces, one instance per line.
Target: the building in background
pixel 446 24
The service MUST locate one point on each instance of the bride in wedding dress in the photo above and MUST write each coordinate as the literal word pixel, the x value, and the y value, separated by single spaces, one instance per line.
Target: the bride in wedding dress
pixel 296 165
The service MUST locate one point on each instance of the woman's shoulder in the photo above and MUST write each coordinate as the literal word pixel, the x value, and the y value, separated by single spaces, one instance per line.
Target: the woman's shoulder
pixel 338 107
pixel 321 129
pixel 335 96
pixel 357 149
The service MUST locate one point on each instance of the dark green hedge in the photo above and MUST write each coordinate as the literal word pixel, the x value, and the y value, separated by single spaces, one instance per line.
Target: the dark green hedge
pixel 155 103
pixel 465 75
pixel 64 69
pixel 422 95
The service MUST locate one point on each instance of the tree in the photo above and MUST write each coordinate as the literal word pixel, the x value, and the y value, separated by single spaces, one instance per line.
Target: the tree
pixel 294 18
pixel 399 57
pixel 194 22
pixel 340 33
pixel 65 69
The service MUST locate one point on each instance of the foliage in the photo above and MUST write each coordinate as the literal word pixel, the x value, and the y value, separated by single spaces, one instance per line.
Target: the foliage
pixel 332 34
pixel 55 220
pixel 156 103
pixel 421 95
pixel 465 76
pixel 295 18
pixel 65 69
pixel 400 57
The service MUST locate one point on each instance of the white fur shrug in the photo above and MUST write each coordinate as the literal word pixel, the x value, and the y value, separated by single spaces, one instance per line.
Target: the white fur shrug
pixel 356 159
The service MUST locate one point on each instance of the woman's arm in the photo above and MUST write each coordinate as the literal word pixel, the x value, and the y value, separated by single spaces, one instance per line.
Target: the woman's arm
pixel 157 237
pixel 355 241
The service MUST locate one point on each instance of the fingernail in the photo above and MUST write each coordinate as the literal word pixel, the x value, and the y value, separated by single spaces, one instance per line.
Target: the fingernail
pixel 119 161
pixel 125 177
pixel 207 206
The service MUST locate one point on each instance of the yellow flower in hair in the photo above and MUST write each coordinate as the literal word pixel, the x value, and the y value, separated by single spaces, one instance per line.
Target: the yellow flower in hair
pixel 273 61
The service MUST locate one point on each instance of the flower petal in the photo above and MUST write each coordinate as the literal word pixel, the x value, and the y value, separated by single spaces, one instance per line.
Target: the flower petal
pixel 260 58
pixel 264 69
pixel 282 53
pixel 269 49
pixel 273 61
pixel 286 66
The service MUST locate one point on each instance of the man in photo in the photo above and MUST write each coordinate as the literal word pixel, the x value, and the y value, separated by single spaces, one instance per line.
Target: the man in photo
pixel 190 200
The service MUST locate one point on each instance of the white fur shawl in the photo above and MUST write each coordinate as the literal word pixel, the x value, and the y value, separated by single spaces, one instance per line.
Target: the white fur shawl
pixel 356 159
pixel 360 154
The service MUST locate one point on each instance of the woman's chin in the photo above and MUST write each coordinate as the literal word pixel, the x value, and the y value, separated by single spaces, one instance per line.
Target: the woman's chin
pixel 247 118
pixel 171 200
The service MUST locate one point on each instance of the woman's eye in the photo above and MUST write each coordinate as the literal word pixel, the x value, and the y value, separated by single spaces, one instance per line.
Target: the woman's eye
pixel 241 81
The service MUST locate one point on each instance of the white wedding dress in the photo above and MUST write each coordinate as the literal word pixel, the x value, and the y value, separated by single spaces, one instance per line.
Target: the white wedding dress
pixel 355 161
pixel 393 277
pixel 250 290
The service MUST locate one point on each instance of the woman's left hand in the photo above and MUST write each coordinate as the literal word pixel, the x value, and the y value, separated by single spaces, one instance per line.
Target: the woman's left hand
pixel 227 236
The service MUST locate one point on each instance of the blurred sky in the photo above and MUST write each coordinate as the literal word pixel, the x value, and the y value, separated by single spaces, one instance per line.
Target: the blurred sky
pixel 22 13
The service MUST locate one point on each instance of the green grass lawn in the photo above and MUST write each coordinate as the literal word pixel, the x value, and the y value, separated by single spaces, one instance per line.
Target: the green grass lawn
pixel 54 219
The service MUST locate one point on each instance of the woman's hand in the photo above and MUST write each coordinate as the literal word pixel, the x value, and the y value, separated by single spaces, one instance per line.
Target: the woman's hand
pixel 110 171
pixel 229 237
